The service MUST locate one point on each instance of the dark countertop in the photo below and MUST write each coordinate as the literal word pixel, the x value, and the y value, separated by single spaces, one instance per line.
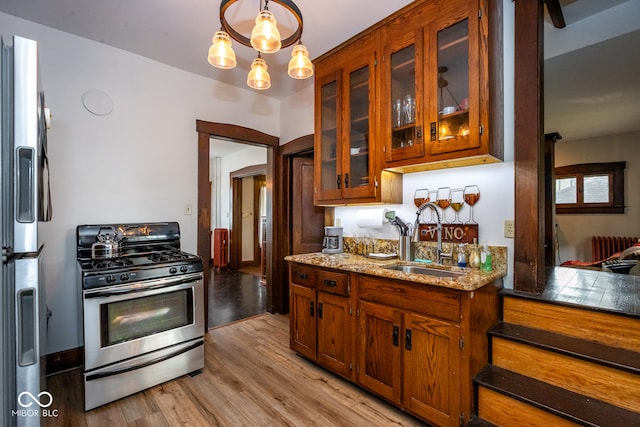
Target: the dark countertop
pixel 472 279
pixel 596 290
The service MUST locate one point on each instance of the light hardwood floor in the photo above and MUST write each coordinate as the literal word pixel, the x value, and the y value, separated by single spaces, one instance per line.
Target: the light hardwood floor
pixel 250 378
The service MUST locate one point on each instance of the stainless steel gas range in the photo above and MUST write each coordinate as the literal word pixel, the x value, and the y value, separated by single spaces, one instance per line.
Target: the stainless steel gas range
pixel 143 308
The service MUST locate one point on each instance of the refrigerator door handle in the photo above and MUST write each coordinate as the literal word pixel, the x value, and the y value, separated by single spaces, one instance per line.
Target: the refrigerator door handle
pixel 27 327
pixel 25 185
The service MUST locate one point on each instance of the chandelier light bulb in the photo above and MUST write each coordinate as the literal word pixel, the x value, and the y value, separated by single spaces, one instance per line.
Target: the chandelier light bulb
pixel 221 55
pixel 300 66
pixel 265 36
pixel 258 76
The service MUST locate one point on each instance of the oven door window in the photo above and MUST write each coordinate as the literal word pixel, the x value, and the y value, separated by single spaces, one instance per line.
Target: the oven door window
pixel 139 317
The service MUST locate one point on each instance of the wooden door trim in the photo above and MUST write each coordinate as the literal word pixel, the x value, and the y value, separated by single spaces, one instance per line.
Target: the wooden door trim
pixel 235 133
pixel 282 209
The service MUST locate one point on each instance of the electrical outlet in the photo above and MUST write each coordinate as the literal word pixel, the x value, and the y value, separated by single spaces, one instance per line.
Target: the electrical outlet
pixel 188 209
pixel 509 228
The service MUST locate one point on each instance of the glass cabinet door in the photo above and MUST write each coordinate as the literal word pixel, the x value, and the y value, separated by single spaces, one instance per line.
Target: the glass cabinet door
pixel 358 170
pixel 454 104
pixel 330 179
pixel 453 82
pixel 401 120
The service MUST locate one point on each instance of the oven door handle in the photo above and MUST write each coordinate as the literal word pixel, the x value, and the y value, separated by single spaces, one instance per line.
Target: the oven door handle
pixel 163 283
pixel 98 376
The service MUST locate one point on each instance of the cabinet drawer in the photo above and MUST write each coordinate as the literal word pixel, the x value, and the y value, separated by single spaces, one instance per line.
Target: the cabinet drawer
pixel 439 302
pixel 333 282
pixel 301 274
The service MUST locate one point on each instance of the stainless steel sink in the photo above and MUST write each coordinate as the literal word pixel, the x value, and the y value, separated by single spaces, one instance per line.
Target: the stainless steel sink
pixel 414 269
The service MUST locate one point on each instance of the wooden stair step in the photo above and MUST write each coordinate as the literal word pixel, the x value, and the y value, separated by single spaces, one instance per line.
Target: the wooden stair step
pixel 616 358
pixel 562 403
pixel 615 329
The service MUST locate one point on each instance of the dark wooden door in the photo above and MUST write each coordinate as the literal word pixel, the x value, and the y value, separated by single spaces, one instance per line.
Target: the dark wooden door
pixel 307 220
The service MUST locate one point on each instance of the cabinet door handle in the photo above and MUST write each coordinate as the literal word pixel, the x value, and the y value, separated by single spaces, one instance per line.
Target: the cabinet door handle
pixel 396 333
pixel 311 309
pixel 330 283
pixel 418 134
pixel 319 310
pixel 302 276
pixel 346 180
pixel 407 339
pixel 433 131
pixel 338 182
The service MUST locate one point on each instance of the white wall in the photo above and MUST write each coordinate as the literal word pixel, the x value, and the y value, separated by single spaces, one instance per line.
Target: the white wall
pixel 296 115
pixel 250 156
pixel 574 231
pixel 137 164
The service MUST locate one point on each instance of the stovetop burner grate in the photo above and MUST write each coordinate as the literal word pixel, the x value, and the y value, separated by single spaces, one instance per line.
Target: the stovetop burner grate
pixel 100 264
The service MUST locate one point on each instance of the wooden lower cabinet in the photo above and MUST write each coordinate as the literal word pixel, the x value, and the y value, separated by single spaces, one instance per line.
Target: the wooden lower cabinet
pixel 417 346
pixel 321 320
pixel 334 336
pixel 431 369
pixel 411 360
pixel 302 306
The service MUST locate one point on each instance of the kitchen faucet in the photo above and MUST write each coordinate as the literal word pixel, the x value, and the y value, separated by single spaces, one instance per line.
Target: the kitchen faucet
pixel 440 255
pixel 405 242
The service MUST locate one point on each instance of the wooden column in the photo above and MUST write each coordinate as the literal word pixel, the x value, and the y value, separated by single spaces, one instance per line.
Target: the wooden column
pixel 529 252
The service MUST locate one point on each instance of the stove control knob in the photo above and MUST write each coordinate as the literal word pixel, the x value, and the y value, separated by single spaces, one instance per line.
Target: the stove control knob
pixel 124 277
pixel 173 270
pixel 110 279
pixel 183 269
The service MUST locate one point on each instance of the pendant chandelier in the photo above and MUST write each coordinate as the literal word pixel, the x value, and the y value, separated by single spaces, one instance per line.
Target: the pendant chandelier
pixel 265 38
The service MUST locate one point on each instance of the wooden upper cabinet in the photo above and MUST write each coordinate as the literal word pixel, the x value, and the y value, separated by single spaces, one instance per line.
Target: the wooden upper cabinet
pixel 346 137
pixel 449 73
pixel 411 93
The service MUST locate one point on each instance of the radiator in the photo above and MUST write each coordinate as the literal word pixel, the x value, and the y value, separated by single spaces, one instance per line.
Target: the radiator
pixel 220 247
pixel 602 247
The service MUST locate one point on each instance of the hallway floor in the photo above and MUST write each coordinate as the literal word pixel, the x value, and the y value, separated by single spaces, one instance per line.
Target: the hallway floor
pixel 235 295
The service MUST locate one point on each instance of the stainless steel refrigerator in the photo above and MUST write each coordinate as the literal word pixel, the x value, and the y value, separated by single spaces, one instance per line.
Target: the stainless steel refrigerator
pixel 25 199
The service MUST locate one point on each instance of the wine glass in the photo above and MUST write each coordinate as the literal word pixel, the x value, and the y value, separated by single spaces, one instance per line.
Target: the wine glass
pixel 433 195
pixel 443 199
pixel 471 196
pixel 457 201
pixel 420 197
pixel 357 239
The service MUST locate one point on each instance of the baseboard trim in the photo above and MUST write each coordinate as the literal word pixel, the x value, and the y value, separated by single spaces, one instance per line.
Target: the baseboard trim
pixel 64 360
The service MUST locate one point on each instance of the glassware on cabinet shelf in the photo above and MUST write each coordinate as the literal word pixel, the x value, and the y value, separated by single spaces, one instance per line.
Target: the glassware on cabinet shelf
pixel 457 201
pixel 408 108
pixel 397 111
pixel 443 199
pixel 471 197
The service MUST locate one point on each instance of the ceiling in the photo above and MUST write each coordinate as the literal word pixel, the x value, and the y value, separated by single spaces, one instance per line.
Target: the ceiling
pixel 178 33
pixel 591 69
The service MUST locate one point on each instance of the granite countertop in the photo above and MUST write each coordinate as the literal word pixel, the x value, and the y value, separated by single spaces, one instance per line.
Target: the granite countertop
pixel 472 280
